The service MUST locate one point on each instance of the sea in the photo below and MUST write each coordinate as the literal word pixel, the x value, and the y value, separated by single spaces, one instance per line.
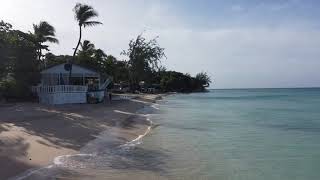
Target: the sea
pixel 236 134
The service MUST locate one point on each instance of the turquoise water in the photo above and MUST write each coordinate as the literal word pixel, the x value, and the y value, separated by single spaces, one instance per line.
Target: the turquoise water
pixel 255 134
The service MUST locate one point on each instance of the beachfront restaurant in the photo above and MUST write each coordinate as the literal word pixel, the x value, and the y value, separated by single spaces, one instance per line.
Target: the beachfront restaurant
pixel 58 87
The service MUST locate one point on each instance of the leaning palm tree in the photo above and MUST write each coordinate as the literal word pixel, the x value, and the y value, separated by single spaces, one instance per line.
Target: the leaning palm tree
pixel 83 14
pixel 43 32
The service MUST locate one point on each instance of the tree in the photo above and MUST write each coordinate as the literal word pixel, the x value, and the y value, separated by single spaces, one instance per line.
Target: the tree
pixel 117 69
pixel 144 57
pixel 203 79
pixel 100 57
pixel 5 27
pixel 90 57
pixel 19 65
pixel 83 15
pixel 87 46
pixel 5 31
pixel 43 32
pixel 52 60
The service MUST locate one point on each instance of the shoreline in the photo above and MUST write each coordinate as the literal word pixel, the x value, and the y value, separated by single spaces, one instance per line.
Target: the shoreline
pixel 33 135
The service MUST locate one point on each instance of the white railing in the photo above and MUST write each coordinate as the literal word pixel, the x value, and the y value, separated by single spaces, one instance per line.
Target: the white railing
pixel 59 89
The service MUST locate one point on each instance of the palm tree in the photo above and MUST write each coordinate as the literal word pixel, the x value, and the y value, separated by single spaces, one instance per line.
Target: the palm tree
pixel 204 79
pixel 87 46
pixel 85 54
pixel 83 14
pixel 43 32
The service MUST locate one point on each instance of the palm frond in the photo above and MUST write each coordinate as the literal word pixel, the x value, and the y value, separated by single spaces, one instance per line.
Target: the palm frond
pixel 44 32
pixel 86 16
pixel 91 23
pixel 87 45
pixel 83 13
pixel 52 40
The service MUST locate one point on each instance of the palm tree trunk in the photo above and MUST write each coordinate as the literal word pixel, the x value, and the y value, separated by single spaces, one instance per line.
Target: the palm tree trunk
pixel 75 51
pixel 40 54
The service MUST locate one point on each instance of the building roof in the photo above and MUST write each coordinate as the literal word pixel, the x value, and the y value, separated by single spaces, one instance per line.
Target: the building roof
pixel 76 69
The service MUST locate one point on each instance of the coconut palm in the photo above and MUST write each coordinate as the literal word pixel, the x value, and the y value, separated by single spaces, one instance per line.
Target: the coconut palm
pixel 85 54
pixel 87 46
pixel 43 32
pixel 83 14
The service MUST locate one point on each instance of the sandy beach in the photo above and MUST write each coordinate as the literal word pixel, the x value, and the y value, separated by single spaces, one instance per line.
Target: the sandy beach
pixel 32 135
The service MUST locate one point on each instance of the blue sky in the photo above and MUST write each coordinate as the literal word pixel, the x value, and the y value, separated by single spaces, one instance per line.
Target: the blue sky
pixel 218 13
pixel 240 43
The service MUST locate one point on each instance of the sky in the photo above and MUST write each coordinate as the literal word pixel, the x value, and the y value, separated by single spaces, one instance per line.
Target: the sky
pixel 239 43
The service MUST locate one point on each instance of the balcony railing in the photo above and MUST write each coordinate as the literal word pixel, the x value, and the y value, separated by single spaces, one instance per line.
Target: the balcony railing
pixel 59 89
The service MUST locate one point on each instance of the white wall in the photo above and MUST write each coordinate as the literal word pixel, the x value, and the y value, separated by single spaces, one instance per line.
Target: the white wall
pixel 63 98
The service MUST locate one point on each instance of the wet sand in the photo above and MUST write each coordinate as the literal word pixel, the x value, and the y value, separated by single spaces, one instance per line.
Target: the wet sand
pixel 32 135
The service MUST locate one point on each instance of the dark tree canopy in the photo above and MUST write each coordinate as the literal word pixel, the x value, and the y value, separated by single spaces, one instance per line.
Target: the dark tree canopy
pixel 84 13
pixel 203 79
pixel 43 32
pixel 18 62
pixel 143 57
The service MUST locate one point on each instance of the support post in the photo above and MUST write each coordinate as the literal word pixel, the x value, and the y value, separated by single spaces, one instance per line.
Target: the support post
pixel 83 80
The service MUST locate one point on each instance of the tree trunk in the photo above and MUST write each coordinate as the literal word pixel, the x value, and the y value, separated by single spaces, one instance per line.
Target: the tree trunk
pixel 40 54
pixel 75 51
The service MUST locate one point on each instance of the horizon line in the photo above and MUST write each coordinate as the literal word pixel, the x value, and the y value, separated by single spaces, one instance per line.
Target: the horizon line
pixel 265 88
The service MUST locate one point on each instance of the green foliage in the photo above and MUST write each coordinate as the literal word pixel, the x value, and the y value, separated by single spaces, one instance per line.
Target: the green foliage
pixel 9 88
pixel 178 82
pixel 117 69
pixel 19 65
pixel 52 60
pixel 43 32
pixel 5 50
pixel 96 59
pixel 144 57
pixel 203 79
pixel 90 57
pixel 83 15
pixel 144 65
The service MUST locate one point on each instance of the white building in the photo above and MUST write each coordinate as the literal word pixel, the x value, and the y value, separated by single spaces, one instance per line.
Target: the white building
pixel 57 88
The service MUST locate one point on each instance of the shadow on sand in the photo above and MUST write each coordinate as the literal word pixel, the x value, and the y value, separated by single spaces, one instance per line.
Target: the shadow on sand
pixel 67 126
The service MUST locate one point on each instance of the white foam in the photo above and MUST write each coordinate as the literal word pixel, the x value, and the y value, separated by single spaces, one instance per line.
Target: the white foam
pixel 29 173
pixel 137 140
pixel 58 161
pixel 155 106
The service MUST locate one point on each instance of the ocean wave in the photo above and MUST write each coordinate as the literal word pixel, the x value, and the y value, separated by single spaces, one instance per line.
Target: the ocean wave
pixel 138 140
pixel 69 161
